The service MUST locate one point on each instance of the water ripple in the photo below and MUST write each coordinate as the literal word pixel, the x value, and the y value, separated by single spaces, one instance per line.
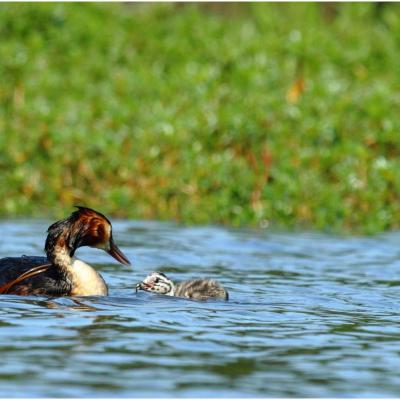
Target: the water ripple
pixel 309 315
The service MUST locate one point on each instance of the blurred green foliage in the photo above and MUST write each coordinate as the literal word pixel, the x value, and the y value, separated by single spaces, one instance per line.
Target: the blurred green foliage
pixel 256 114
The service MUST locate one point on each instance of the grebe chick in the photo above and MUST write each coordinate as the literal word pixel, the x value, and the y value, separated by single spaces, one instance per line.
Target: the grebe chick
pixel 60 274
pixel 196 289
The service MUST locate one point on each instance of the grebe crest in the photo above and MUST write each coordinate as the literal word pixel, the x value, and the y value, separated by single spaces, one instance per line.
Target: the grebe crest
pixel 196 289
pixel 84 227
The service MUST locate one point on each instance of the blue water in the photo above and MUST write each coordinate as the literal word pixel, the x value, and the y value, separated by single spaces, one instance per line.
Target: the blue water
pixel 309 315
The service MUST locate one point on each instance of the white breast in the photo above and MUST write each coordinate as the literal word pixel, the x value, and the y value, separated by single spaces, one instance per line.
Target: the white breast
pixel 86 281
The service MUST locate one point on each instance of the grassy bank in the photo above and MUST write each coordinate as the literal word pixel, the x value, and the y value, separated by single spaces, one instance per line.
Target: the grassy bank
pixel 250 115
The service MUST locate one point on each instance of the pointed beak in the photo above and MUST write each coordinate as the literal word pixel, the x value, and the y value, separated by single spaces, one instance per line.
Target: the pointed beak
pixel 143 286
pixel 117 254
pixel 138 287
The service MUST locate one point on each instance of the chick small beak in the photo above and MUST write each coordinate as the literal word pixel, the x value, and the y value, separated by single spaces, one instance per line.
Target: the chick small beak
pixel 138 286
pixel 117 253
pixel 143 286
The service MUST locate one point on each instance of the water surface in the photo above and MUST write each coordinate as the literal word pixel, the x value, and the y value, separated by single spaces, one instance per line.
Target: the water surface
pixel 309 315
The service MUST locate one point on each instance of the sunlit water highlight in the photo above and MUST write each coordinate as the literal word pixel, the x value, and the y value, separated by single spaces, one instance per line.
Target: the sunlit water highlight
pixel 309 315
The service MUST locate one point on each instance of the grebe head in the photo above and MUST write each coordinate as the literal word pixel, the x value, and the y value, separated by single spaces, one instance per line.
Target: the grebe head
pixel 157 282
pixel 84 227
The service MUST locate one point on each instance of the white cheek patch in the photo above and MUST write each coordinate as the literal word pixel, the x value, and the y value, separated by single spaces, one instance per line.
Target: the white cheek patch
pixel 149 280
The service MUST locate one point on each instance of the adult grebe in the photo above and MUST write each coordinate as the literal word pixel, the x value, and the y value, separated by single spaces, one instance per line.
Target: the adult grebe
pixel 196 289
pixel 60 274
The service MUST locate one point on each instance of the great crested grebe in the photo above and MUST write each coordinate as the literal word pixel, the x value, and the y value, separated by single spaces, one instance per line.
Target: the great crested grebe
pixel 196 289
pixel 60 274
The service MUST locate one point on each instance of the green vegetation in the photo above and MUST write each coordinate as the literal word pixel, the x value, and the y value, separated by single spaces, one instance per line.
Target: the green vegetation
pixel 245 114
